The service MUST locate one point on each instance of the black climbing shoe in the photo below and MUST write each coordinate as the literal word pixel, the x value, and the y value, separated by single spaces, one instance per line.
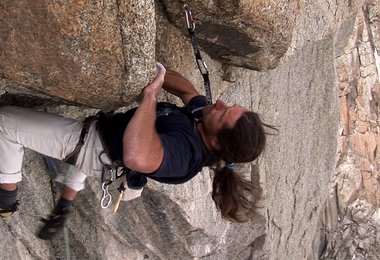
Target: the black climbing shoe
pixel 4 213
pixel 53 225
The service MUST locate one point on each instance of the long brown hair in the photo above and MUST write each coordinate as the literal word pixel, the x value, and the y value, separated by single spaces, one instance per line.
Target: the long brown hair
pixel 234 195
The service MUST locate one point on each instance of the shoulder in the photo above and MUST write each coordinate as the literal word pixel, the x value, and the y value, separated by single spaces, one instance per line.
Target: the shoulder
pixel 197 101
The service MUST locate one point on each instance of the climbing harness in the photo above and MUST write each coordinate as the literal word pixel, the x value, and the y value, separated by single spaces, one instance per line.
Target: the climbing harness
pixel 198 58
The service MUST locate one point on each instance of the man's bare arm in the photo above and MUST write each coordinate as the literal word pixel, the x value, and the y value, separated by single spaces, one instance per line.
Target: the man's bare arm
pixel 179 86
pixel 142 148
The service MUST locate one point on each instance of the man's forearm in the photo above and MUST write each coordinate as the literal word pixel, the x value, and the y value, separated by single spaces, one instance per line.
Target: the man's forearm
pixel 179 86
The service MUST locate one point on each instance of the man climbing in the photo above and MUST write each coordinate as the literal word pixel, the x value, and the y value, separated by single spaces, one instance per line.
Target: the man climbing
pixel 159 141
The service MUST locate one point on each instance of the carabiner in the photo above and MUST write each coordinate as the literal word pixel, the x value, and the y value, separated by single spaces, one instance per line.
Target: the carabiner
pixel 106 197
pixel 109 173
pixel 189 18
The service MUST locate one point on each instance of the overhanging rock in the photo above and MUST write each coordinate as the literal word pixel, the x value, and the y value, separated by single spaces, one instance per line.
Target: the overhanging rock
pixel 95 53
pixel 248 34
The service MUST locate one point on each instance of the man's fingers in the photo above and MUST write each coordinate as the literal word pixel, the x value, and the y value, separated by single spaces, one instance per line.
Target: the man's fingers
pixel 156 84
pixel 161 71
pixel 160 68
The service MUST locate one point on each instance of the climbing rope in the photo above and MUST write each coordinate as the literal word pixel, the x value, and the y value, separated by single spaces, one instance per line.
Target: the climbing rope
pixel 198 58
pixel 67 243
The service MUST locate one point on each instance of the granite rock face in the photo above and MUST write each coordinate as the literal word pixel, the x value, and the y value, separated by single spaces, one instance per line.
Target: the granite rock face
pixel 93 53
pixel 313 59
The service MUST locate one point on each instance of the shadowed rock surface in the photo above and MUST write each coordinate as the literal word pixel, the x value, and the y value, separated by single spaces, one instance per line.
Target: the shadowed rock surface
pixel 248 34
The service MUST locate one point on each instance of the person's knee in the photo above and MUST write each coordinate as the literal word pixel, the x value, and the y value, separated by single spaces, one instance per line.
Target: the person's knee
pixel 6 112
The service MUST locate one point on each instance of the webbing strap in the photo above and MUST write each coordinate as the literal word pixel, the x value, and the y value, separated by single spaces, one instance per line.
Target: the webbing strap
pixel 73 156
pixel 198 57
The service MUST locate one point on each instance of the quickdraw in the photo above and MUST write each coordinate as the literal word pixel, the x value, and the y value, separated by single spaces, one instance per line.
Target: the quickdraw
pixel 198 58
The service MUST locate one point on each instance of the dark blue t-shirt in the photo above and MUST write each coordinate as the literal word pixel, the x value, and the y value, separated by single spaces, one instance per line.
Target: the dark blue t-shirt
pixel 184 151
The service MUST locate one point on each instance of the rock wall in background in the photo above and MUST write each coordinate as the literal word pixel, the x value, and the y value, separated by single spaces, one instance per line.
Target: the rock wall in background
pixel 351 222
pixel 313 49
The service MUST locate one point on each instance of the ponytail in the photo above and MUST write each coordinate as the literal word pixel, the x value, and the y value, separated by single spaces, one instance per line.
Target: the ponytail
pixel 233 195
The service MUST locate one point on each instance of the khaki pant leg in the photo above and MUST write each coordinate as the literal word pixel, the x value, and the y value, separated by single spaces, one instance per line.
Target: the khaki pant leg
pixel 48 134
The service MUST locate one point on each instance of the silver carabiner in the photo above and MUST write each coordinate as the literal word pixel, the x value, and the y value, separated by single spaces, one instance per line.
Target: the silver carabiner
pixel 189 18
pixel 106 197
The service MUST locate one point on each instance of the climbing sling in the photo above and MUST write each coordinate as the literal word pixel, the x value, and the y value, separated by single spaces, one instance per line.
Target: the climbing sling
pixel 202 66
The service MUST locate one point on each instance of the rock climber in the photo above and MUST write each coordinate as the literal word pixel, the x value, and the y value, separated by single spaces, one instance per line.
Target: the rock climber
pixel 163 142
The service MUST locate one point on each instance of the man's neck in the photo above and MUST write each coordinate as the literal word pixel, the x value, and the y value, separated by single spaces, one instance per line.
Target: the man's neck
pixel 204 137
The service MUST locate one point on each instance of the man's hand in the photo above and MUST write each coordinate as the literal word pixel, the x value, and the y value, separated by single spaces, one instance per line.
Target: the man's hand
pixel 153 89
